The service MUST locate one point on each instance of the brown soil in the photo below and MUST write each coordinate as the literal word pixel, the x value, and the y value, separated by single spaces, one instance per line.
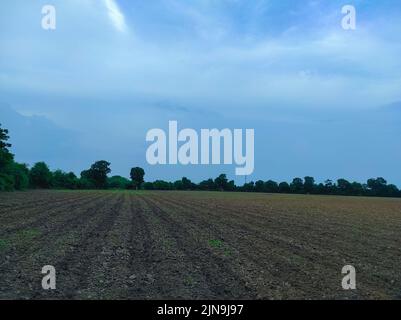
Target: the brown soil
pixel 198 245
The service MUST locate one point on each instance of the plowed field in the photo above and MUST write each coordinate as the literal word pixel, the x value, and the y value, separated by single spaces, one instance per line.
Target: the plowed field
pixel 197 245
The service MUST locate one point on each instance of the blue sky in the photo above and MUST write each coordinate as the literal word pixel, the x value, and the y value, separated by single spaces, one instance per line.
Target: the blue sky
pixel 323 101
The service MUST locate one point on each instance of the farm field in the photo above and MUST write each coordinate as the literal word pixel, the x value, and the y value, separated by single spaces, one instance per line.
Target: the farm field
pixel 198 245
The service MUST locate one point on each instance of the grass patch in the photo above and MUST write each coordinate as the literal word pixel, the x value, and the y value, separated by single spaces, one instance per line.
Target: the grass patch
pixel 4 244
pixel 20 238
pixel 220 245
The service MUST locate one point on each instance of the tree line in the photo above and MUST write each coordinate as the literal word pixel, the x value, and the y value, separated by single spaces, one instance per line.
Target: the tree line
pixel 17 176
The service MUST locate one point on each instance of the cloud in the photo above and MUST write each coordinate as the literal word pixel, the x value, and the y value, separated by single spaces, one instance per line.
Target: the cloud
pixel 116 16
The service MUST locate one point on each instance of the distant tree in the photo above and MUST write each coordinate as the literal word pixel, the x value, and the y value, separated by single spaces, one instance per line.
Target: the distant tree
pixel 378 187
pixel 248 187
pixel 260 186
pixel 357 189
pixel 221 182
pixel 162 185
pixel 20 173
pixel 284 187
pixel 4 137
pixel 344 187
pixel 118 182
pixel 231 186
pixel 40 176
pixel 271 186
pixel 148 186
pixel 137 176
pixel 178 185
pixel 320 189
pixel 297 185
pixel 186 184
pixel 329 187
pixel 98 173
pixel 6 160
pixel 309 184
pixel 392 191
pixel 63 180
pixel 207 185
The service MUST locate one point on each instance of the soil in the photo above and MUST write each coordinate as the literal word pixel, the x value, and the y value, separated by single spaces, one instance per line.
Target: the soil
pixel 198 245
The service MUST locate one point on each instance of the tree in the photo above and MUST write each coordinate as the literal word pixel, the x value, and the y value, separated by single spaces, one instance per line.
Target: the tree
pixel 4 145
pixel 309 184
pixel 97 174
pixel 284 187
pixel 63 180
pixel 378 187
pixel 297 185
pixel 186 184
pixel 137 176
pixel 6 157
pixel 221 182
pixel 207 185
pixel 259 186
pixel 271 186
pixel 20 172
pixel 40 176
pixel 118 182
pixel 344 187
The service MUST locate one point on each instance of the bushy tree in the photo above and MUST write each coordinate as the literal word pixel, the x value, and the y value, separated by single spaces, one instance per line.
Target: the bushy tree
pixel 118 182
pixel 284 187
pixel 137 175
pixel 221 182
pixel 260 186
pixel 63 180
pixel 207 185
pixel 97 174
pixel 309 184
pixel 6 160
pixel 297 185
pixel 271 186
pixel 20 173
pixel 40 176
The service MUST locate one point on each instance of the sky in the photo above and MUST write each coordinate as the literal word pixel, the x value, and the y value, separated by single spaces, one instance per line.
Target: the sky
pixel 323 101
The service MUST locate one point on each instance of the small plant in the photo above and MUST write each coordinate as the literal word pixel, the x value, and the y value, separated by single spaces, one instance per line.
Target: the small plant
pixel 215 243
pixel 3 244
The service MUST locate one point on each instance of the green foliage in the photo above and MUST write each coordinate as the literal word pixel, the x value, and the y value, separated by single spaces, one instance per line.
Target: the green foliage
pixel 13 176
pixel 309 185
pixel 96 176
pixel 221 182
pixel 6 182
pixel 284 187
pixel 118 182
pixel 20 172
pixel 297 185
pixel 63 180
pixel 40 176
pixel 137 176
pixel 207 185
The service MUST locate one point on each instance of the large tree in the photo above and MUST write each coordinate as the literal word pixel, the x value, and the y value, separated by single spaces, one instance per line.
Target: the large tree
pixel 40 176
pixel 309 184
pixel 6 156
pixel 98 173
pixel 137 175
pixel 221 182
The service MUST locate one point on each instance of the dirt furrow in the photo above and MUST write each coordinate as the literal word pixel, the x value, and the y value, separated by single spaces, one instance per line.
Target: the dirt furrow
pixel 221 279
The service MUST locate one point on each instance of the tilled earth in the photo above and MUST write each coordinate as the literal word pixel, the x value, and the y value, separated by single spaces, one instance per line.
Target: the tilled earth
pixel 197 245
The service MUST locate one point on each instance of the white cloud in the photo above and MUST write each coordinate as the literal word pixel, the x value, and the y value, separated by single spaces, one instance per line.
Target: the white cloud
pixel 115 15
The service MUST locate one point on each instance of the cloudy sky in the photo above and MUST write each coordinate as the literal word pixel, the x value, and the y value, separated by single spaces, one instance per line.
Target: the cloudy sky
pixel 323 101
